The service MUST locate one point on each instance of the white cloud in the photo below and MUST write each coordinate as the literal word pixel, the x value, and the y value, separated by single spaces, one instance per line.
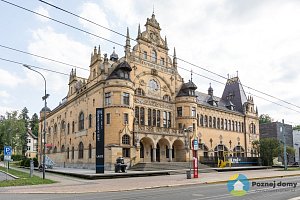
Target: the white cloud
pixel 4 94
pixel 9 79
pixel 94 13
pixel 43 11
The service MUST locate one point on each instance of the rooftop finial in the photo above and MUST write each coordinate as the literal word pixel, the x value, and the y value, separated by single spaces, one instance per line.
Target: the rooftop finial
pixel 153 10
pixel 191 75
pixel 237 73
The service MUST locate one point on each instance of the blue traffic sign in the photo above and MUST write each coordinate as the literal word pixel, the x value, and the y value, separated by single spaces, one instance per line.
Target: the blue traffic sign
pixel 7 150
pixel 196 144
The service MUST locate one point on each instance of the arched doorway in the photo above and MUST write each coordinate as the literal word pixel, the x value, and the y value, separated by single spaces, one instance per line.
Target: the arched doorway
pixel 146 149
pixel 157 152
pixel 238 151
pixel 164 146
pixel 179 151
pixel 221 151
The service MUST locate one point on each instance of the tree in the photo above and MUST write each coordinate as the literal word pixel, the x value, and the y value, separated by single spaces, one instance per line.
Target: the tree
pixel 34 124
pixel 12 131
pixel 289 150
pixel 265 118
pixel 24 116
pixel 268 148
pixel 255 146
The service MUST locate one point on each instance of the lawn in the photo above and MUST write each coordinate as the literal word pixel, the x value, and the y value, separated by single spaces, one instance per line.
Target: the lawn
pixel 24 179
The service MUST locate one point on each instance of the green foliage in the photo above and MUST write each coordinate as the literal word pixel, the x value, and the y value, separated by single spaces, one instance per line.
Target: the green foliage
pixel 35 162
pixel 297 127
pixel 24 179
pixel 289 150
pixel 268 148
pixel 25 117
pixel 34 124
pixel 265 118
pixel 17 157
pixel 12 132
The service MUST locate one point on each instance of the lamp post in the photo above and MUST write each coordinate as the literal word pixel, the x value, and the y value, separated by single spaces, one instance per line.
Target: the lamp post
pixel 43 135
pixel 284 146
pixel 188 130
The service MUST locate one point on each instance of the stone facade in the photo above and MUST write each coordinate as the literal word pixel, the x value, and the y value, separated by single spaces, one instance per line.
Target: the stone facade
pixel 151 115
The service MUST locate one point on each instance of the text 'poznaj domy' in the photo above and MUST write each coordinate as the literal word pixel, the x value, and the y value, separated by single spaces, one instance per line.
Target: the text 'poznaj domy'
pixel 145 112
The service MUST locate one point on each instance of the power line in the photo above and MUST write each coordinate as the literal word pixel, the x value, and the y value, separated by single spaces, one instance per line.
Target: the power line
pixel 79 29
pixel 43 57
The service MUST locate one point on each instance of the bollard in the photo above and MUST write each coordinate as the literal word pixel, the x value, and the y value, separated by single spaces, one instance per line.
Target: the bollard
pixel 31 168
pixel 188 174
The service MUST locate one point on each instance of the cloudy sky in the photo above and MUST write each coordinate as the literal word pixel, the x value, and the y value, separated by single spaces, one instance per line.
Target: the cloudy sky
pixel 258 38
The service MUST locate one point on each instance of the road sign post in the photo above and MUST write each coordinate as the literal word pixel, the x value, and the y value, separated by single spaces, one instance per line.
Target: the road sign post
pixel 7 156
pixel 195 165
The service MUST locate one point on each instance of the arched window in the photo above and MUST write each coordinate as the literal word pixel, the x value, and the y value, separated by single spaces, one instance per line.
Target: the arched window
pixel 55 128
pixel 55 150
pixel 68 128
pixel 214 122
pixel 81 121
pixel 80 150
pixel 90 151
pixel 142 116
pixel 225 124
pixel 210 121
pixel 137 115
pixel 222 124
pixel 218 123
pixel 205 121
pixel 139 91
pixel 201 120
pixel 62 148
pixel 154 56
pixel 73 127
pixel 68 153
pixel 72 152
pixel 90 120
pixel 166 98
pixel 229 125
pixel 238 151
pixel 125 139
pixel 63 125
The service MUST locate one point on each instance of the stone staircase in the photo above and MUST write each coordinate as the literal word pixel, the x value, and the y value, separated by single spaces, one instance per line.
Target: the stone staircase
pixel 176 166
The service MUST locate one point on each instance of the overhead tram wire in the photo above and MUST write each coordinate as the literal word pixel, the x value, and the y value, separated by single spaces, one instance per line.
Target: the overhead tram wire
pixel 79 29
pixel 43 57
pixel 197 66
pixel 61 73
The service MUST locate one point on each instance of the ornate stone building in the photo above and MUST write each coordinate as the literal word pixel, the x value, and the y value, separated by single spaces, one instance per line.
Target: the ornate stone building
pixel 150 112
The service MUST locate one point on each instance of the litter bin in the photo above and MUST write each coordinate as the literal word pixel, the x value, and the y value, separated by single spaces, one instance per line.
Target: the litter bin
pixel 188 174
pixel 120 166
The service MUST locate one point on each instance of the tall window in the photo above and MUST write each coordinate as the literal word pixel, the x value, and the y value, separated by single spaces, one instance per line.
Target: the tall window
pixel 68 153
pixel 162 61
pixel 137 115
pixel 142 116
pixel 126 152
pixel 80 150
pixel 154 56
pixel 165 119
pixel 149 117
pixel 139 92
pixel 205 121
pixel 107 118
pixel 201 120
pixel 108 98
pixel 81 121
pixel 154 117
pixel 214 122
pixel 72 152
pixel 158 118
pixel 55 128
pixel 193 111
pixel 210 121
pixel 145 55
pixel 73 127
pixel 90 120
pixel 126 98
pixel 225 124
pixel 179 111
pixel 68 128
pixel 169 119
pixel 125 118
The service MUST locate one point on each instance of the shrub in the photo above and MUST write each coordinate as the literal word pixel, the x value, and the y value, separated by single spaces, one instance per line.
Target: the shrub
pixel 35 162
pixel 27 162
pixel 17 157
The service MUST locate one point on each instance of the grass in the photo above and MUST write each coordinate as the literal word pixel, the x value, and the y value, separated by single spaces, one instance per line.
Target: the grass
pixel 24 179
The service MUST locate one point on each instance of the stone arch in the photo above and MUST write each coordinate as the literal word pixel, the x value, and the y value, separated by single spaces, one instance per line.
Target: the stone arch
pixel 178 151
pixel 146 151
pixel 163 154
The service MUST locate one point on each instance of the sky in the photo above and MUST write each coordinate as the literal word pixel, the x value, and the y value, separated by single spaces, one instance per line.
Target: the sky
pixel 257 39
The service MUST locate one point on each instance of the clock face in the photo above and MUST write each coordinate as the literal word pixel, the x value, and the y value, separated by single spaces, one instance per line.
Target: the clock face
pixel 153 85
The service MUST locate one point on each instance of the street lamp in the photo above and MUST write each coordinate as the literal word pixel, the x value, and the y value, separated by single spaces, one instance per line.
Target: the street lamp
pixel 43 135
pixel 189 130
pixel 284 145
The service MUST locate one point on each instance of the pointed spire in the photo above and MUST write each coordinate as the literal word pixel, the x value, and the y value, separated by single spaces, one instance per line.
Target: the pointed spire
pixel 191 75
pixel 127 38
pixel 95 50
pixel 99 52
pixel 210 90
pixel 166 42
pixel 237 73
pixel 139 31
pixel 174 59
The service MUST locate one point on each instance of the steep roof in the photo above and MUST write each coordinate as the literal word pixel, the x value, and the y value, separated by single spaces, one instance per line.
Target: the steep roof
pixel 234 92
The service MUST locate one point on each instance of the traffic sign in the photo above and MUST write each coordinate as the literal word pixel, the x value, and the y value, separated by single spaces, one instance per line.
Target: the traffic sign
pixel 7 150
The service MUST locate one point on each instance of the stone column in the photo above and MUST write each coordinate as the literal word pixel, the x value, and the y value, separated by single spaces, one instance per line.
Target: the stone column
pixel 170 155
pixel 154 154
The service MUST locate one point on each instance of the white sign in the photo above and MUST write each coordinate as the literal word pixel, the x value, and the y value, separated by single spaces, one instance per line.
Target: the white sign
pixel 7 158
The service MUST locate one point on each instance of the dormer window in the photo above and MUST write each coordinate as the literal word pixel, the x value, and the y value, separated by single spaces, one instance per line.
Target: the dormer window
pixel 166 98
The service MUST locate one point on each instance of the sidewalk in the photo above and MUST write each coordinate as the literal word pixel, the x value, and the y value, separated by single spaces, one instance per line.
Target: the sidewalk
pixel 68 184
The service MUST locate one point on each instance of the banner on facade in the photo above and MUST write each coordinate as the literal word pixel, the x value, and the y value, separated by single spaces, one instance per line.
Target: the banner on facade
pixel 99 140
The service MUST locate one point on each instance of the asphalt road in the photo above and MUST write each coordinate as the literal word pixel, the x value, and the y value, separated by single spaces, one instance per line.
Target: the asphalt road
pixel 194 192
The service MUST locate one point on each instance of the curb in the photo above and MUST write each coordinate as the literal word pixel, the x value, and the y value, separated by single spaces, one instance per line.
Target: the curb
pixel 15 177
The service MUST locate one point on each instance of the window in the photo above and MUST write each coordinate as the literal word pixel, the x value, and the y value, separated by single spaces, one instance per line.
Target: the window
pixel 90 120
pixel 63 125
pixel 142 116
pixel 145 55
pixel 28 140
pixel 55 150
pixel 28 148
pixel 107 118
pixel 125 118
pixel 214 122
pixel 126 152
pixel 179 111
pixel 108 98
pixel 126 98
pixel 62 149
pixel 149 117
pixel 201 120
pixel 55 128
pixel 165 119
pixel 81 121
pixel 205 121
pixel 137 115
pixel 94 73
pixel 218 123
pixel 68 153
pixel 169 119
pixel 154 117
pixel 222 124
pixel 166 98
pixel 193 111
pixel 162 61
pixel 210 121
pixel 225 124
pixel 154 56
pixel 68 128
pixel 72 152
pixel 229 125
pixel 158 118
pixel 73 127
pixel 80 150
pixel 90 151
pixel 180 126
pixel 139 92
pixel 125 139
